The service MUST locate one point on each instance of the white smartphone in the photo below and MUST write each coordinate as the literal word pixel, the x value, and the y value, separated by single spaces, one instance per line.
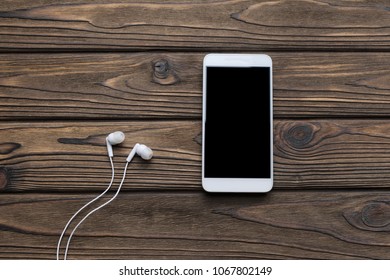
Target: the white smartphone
pixel 237 140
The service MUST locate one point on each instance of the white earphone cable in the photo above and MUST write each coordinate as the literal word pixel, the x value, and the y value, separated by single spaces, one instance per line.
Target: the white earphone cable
pixel 96 209
pixel 82 208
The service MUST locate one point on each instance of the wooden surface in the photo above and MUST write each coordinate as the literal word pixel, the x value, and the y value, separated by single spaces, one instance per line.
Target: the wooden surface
pixel 194 25
pixel 169 85
pixel 72 72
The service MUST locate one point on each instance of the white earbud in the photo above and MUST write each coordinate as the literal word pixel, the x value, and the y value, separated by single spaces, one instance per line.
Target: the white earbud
pixel 143 151
pixel 114 138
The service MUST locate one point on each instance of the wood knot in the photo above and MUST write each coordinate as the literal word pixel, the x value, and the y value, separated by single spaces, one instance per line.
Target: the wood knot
pixel 4 178
pixel 372 216
pixel 376 214
pixel 7 148
pixel 299 135
pixel 163 73
pixel 93 140
pixel 161 69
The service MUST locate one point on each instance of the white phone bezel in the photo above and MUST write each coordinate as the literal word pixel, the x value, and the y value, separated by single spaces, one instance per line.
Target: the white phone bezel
pixel 237 184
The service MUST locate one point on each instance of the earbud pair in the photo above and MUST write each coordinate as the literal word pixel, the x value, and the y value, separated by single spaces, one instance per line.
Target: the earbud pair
pixel 118 137
pixel 114 138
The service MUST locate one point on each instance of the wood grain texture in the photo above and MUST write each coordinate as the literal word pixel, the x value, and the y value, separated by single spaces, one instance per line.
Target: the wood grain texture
pixel 212 25
pixel 332 153
pixel 73 156
pixel 68 156
pixel 73 71
pixel 169 85
pixel 196 225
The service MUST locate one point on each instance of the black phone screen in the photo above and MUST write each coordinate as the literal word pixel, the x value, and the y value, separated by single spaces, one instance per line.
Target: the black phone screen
pixel 238 122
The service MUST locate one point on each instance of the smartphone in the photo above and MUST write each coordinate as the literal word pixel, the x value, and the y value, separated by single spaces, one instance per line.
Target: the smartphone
pixel 237 138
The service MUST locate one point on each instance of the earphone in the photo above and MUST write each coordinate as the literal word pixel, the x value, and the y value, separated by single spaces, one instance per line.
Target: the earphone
pixel 143 151
pixel 112 139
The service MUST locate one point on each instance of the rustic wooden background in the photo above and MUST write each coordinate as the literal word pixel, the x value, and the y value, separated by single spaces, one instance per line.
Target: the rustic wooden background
pixel 73 71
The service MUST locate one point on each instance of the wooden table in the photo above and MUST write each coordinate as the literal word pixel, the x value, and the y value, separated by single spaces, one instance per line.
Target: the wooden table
pixel 72 73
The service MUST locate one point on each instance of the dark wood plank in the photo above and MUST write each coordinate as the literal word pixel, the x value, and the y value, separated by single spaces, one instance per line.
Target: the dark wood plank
pixel 169 85
pixel 72 156
pixel 196 225
pixel 332 153
pixel 213 25
pixel 103 86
